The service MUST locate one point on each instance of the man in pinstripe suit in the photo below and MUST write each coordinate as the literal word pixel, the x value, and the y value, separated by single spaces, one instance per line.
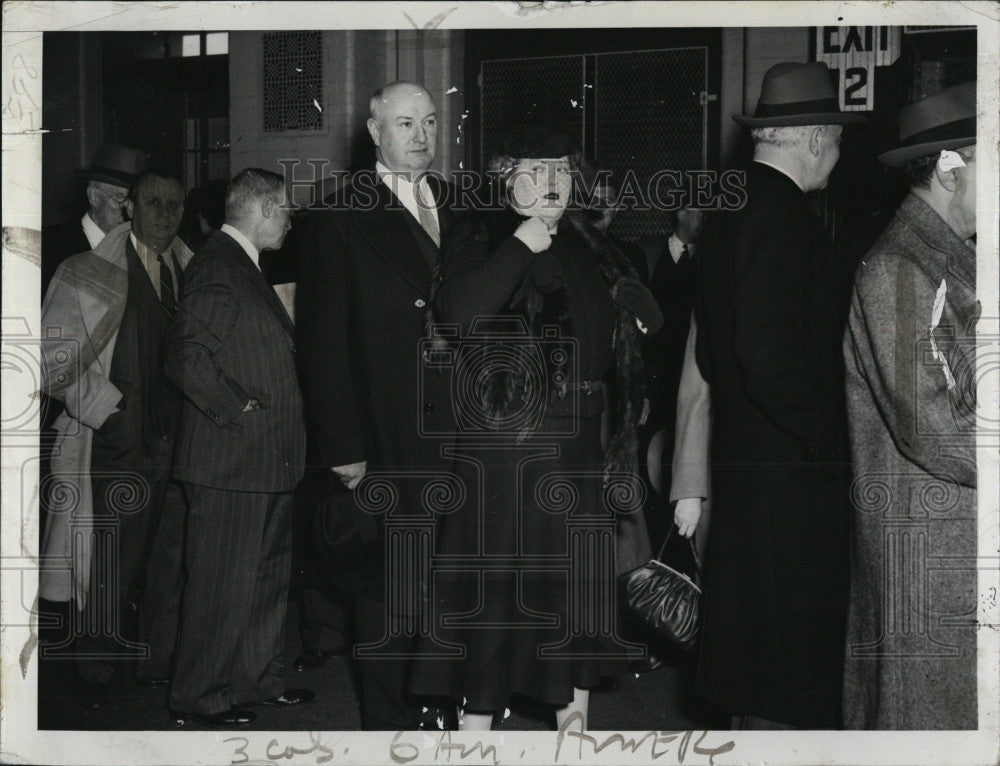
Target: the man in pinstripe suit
pixel 240 453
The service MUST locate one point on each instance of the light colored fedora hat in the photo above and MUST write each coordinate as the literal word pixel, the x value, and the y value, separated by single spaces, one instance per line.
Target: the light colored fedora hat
pixel 946 120
pixel 797 94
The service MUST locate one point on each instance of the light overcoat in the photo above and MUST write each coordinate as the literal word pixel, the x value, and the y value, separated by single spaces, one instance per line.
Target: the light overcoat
pixel 81 314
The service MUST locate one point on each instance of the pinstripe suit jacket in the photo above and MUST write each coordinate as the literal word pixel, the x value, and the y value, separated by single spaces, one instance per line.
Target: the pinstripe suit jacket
pixel 232 341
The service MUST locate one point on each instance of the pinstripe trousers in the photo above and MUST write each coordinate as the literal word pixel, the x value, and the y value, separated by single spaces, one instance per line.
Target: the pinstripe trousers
pixel 230 648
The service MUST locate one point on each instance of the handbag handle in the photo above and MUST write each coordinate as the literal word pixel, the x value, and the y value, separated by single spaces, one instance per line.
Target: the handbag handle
pixel 694 550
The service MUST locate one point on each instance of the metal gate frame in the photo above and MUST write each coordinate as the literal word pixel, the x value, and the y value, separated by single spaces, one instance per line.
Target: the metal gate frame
pixel 583 90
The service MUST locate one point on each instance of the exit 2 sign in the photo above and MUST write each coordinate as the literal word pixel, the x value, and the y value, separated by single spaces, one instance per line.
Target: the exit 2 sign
pixel 855 52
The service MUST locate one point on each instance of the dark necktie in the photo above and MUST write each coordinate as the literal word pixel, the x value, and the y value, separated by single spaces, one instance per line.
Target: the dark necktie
pixel 685 254
pixel 168 296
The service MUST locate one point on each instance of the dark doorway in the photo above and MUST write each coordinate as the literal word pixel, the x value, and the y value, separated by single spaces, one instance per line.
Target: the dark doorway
pixel 863 194
pixel 168 93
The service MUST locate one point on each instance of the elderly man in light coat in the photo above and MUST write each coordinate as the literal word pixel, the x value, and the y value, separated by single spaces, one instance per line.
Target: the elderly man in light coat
pixel 103 319
pixel 910 359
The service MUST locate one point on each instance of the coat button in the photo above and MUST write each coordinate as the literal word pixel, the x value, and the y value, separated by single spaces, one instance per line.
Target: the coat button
pixel 210 413
pixel 420 303
pixel 428 408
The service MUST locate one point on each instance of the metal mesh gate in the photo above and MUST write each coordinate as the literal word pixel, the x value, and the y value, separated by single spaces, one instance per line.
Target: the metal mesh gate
pixel 644 111
pixel 651 115
pixel 292 81
pixel 518 93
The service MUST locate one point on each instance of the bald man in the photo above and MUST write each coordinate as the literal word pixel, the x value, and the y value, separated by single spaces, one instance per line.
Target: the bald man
pixel 367 266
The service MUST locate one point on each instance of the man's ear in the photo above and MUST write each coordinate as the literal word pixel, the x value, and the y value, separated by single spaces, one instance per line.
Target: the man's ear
pixel 129 208
pixel 947 178
pixel 373 130
pixel 267 207
pixel 93 196
pixel 816 140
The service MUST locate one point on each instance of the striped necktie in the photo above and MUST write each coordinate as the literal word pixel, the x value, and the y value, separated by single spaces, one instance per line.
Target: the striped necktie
pixel 168 295
pixel 426 217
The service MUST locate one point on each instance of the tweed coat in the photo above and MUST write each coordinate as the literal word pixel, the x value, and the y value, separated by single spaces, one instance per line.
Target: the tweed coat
pixel 83 307
pixel 769 334
pixel 911 640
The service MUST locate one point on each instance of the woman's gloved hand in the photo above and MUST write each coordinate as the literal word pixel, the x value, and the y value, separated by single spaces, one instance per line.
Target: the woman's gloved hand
pixel 635 297
pixel 535 233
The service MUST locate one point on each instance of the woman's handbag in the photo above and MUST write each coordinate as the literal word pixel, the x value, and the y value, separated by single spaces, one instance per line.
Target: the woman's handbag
pixel 666 599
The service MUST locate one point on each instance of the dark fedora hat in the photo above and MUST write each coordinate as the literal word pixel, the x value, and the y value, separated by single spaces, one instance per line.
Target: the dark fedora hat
pixel 946 120
pixel 116 165
pixel 797 94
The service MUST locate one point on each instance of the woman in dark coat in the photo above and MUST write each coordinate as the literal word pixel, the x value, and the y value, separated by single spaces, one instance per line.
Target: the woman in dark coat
pixel 550 313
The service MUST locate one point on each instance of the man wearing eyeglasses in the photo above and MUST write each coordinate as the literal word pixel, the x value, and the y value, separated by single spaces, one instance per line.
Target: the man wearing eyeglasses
pixel 109 178
pixel 104 318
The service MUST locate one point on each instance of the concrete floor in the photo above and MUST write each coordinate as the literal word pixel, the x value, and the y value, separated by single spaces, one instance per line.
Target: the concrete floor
pixel 655 700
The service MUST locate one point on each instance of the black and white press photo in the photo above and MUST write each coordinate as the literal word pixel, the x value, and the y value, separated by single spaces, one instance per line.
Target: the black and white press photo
pixel 507 383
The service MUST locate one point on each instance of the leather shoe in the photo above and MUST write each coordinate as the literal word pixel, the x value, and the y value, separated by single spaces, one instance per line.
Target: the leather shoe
pixel 152 683
pixel 290 698
pixel 648 664
pixel 311 659
pixel 232 717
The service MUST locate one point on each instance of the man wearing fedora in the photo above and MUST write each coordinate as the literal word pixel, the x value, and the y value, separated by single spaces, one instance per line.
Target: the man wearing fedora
pixel 109 179
pixel 910 356
pixel 104 317
pixel 768 343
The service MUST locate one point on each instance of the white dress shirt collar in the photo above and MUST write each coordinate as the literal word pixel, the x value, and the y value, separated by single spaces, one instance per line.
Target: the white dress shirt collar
pixel 677 247
pixel 91 231
pixel 403 189
pixel 243 242
pixel 150 261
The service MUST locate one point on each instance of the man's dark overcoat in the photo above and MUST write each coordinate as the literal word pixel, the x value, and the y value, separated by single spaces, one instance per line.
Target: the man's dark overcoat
pixel 776 569
pixel 363 289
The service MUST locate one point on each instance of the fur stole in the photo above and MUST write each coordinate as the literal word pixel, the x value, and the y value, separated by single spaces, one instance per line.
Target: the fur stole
pixel 541 301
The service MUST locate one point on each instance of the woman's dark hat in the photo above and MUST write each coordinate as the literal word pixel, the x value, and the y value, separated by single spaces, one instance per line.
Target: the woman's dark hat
pixel 797 94
pixel 116 165
pixel 946 120
pixel 538 143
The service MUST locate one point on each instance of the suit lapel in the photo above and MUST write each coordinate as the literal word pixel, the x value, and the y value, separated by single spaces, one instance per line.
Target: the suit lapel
pixel 959 258
pixel 428 249
pixel 393 240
